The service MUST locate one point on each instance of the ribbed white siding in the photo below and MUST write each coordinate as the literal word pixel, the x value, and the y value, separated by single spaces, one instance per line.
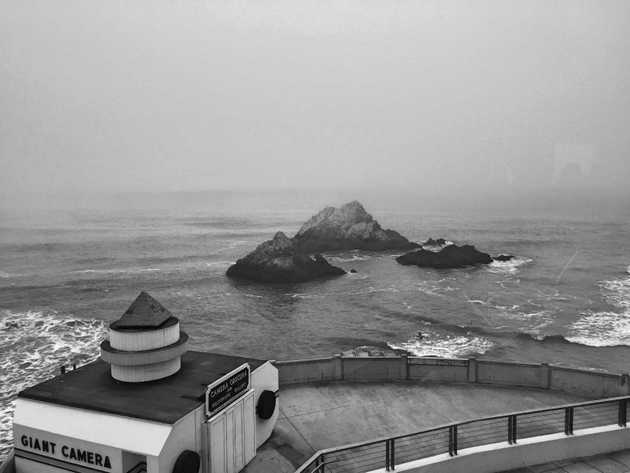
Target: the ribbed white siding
pixel 146 340
pixel 139 374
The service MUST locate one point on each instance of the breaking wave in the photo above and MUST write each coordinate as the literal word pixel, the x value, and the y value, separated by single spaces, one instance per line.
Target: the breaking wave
pixel 34 346
pixel 447 339
pixel 434 343
pixel 606 328
pixel 508 267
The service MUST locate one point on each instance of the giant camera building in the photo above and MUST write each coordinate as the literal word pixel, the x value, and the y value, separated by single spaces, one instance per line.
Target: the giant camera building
pixel 148 405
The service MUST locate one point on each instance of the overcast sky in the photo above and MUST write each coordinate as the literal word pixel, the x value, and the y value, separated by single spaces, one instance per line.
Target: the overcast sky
pixel 437 95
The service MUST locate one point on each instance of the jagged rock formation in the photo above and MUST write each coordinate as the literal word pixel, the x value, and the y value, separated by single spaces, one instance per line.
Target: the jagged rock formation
pixel 279 260
pixel 437 242
pixel 285 259
pixel 504 258
pixel 451 256
pixel 348 227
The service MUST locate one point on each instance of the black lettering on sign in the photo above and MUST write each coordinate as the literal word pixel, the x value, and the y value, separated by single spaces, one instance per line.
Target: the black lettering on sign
pixel 76 454
pixel 223 393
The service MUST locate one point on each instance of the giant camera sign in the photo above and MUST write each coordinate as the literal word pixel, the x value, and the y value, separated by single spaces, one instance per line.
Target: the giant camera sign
pixel 227 389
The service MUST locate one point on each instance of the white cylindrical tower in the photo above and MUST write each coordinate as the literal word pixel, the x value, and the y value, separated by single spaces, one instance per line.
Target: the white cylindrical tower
pixel 145 344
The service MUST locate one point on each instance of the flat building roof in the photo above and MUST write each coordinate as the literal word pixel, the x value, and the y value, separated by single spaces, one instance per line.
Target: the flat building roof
pixel 165 400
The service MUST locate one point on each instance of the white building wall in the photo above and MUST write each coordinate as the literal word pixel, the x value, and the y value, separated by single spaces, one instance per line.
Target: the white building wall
pixel 186 435
pixel 265 377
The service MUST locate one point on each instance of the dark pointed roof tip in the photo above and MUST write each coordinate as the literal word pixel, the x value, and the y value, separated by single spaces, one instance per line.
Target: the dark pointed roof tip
pixel 144 313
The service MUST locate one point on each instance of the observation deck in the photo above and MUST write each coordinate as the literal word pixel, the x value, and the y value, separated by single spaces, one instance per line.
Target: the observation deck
pixel 359 414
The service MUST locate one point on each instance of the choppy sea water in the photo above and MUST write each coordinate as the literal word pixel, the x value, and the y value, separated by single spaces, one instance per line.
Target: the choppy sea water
pixel 565 299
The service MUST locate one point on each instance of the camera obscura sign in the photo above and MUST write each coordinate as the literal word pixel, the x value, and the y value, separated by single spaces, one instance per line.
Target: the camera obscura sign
pixel 227 389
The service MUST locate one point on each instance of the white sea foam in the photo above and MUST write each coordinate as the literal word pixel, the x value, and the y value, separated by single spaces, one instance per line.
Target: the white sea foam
pixel 34 346
pixel 506 316
pixel 445 346
pixel 219 263
pixel 437 248
pixel 371 290
pixel 508 267
pixel 606 328
pixel 434 288
pixel 601 329
pixel 300 295
pixel 118 271
pixel 348 259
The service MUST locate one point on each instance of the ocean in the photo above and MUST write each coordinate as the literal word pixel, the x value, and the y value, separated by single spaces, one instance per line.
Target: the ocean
pixel 65 274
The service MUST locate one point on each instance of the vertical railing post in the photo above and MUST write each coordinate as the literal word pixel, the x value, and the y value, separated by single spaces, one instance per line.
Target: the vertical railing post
pixel 392 457
pixel 452 440
pixel 455 439
pixel 509 433
pixel 568 421
pixel 623 413
pixel 387 455
pixel 513 421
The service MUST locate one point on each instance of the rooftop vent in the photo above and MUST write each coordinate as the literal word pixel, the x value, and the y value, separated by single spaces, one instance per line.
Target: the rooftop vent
pixel 145 343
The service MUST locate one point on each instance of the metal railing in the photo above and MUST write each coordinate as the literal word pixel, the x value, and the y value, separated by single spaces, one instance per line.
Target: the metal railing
pixel 448 439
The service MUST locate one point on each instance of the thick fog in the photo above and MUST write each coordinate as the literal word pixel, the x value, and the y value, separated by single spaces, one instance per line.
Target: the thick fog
pixel 434 97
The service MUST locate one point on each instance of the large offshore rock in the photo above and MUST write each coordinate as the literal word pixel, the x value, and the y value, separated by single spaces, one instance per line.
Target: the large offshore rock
pixel 451 256
pixel 278 260
pixel 348 227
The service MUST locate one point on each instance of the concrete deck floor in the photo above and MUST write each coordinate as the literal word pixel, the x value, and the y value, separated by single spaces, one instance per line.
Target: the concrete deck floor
pixel 313 417
pixel 618 462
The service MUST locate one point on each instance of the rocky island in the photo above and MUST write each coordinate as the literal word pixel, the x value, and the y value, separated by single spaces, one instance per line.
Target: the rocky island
pixel 279 260
pixel 348 227
pixel 298 259
pixel 451 256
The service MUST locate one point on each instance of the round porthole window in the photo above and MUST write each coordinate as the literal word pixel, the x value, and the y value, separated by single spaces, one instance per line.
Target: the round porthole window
pixel 266 404
pixel 187 462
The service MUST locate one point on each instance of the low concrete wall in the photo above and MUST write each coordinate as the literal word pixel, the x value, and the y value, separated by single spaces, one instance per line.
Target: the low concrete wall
pixel 438 370
pixel 589 383
pixel 511 374
pixel 309 371
pixel 594 384
pixel 526 453
pixel 374 369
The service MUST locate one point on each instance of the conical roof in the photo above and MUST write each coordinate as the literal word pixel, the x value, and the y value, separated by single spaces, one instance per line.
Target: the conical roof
pixel 143 313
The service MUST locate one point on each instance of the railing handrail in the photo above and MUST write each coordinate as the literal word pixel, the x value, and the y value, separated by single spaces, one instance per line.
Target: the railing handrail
pixel 368 443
